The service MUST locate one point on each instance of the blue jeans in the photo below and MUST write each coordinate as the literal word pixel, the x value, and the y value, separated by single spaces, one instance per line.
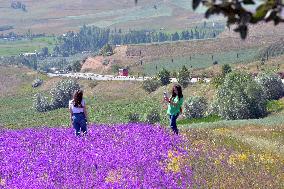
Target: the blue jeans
pixel 79 123
pixel 173 123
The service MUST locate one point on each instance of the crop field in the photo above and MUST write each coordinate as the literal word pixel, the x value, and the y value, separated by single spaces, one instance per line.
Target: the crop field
pixel 10 48
pixel 201 60
pixel 58 17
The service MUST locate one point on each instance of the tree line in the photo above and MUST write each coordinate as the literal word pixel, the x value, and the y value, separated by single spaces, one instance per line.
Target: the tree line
pixel 91 38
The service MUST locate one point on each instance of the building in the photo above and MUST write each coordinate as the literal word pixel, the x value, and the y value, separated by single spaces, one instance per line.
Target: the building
pixel 123 72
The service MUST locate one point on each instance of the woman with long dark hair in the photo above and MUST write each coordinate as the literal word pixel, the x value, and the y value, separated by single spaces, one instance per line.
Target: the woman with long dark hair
pixel 78 113
pixel 174 106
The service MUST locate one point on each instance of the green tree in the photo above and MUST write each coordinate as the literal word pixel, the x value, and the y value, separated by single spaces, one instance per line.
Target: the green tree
pixel 183 76
pixel 226 68
pixel 44 51
pixel 240 97
pixel 107 50
pixel 76 66
pixel 63 92
pixel 164 76
pixel 150 85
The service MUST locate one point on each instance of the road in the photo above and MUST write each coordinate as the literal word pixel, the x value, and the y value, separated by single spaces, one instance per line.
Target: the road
pixel 93 76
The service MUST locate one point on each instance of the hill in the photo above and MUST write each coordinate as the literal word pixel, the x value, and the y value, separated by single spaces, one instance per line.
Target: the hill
pixel 228 48
pixel 57 17
pixel 226 153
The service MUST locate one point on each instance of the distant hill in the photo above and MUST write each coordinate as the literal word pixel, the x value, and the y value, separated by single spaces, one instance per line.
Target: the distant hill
pixel 139 57
pixel 275 49
pixel 61 16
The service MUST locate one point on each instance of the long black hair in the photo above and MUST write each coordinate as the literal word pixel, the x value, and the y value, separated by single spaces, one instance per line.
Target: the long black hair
pixel 77 98
pixel 179 90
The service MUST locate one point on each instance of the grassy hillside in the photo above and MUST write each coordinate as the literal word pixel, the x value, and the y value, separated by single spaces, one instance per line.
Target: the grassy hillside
pixel 10 48
pixel 195 53
pixel 238 154
pixel 61 16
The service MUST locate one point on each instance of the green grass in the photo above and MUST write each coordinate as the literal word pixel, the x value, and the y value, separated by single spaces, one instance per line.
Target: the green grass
pixel 275 106
pixel 10 48
pixel 208 119
pixel 201 60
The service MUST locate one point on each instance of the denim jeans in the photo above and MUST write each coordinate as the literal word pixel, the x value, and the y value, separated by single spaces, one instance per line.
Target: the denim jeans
pixel 79 123
pixel 173 123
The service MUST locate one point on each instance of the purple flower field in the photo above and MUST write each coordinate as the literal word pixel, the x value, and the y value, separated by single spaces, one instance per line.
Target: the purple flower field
pixel 118 156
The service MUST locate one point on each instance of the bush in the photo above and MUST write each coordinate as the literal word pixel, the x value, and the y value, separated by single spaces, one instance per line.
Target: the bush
pixel 195 107
pixel 36 83
pixel 217 81
pixel 240 97
pixel 106 50
pixel 164 76
pixel 92 84
pixel 63 92
pixel 271 84
pixel 153 117
pixel 226 68
pixel 40 103
pixel 76 66
pixel 150 85
pixel 134 118
pixel 213 108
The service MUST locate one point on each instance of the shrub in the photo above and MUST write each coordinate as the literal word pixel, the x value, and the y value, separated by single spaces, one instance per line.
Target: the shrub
pixel 36 83
pixel 63 92
pixel 106 50
pixel 92 84
pixel 240 97
pixel 76 66
pixel 226 68
pixel 271 84
pixel 153 116
pixel 195 107
pixel 164 76
pixel 217 81
pixel 40 103
pixel 133 117
pixel 151 85
pixel 213 108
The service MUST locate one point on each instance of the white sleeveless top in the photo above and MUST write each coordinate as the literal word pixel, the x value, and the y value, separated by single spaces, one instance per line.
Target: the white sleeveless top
pixel 76 109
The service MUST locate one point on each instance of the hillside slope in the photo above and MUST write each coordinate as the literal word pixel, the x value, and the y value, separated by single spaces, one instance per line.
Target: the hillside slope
pixel 61 16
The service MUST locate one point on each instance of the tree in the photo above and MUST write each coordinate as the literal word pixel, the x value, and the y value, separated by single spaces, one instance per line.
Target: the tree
pixel 164 76
pixel 76 66
pixel 106 50
pixel 150 85
pixel 63 92
pixel 175 36
pixel 240 97
pixel 44 51
pixel 183 76
pixel 226 68
pixel 237 13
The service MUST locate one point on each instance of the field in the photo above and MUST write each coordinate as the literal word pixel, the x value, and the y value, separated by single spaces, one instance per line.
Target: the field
pixel 10 48
pixel 202 60
pixel 214 153
pixel 58 17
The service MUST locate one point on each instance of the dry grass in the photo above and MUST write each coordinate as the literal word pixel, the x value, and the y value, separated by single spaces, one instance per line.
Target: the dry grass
pixel 13 78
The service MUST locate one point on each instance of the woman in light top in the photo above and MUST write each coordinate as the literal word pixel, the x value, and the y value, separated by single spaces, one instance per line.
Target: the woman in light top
pixel 174 106
pixel 78 113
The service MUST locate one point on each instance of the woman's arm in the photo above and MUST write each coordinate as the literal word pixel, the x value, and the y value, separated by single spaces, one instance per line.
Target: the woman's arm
pixel 171 101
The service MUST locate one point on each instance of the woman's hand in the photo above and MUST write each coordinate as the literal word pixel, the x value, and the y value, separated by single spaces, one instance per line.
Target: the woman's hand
pixel 166 99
